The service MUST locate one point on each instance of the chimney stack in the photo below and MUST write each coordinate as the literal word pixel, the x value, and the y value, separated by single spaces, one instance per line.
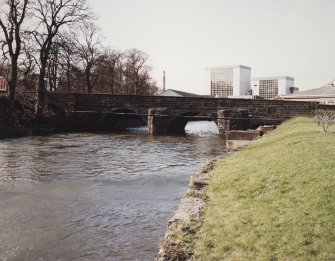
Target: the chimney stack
pixel 163 81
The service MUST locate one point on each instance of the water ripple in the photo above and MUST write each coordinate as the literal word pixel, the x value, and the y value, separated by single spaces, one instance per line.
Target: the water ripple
pixel 88 196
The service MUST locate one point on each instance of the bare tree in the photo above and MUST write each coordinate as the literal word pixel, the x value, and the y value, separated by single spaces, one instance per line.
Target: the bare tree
pixel 12 15
pixel 52 16
pixel 150 86
pixel 89 49
pixel 62 71
pixel 28 66
pixel 136 70
pixel 53 65
pixel 110 69
pixel 4 67
pixel 69 59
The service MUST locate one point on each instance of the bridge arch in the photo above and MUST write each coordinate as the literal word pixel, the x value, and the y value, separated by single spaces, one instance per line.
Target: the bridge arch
pixel 124 118
pixel 199 124
pixel 161 120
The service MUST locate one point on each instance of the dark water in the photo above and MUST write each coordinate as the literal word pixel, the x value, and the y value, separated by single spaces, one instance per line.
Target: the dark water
pixel 93 196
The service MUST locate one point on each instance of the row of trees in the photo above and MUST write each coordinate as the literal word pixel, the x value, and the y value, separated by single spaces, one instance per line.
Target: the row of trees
pixel 54 45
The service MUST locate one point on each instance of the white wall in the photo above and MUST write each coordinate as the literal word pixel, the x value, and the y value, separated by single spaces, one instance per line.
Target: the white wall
pixel 241 81
pixel 289 83
pixel 284 85
pixel 245 84
pixel 255 87
pixel 236 81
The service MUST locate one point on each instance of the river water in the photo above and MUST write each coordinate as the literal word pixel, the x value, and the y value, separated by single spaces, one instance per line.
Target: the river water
pixel 94 196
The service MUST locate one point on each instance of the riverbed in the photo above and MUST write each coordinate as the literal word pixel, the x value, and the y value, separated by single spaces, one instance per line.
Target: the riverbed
pixel 94 196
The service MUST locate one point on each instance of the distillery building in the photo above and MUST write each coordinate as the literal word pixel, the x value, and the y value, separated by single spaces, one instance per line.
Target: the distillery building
pixel 229 81
pixel 270 87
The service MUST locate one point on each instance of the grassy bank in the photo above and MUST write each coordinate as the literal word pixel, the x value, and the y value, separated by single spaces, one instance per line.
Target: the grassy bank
pixel 274 200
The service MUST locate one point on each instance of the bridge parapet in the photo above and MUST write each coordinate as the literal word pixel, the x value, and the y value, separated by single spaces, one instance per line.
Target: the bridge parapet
pixel 99 102
pixel 170 114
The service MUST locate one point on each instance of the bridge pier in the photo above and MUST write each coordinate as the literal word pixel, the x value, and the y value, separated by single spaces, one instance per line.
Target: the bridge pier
pixel 163 121
pixel 223 123
pixel 232 120
pixel 160 121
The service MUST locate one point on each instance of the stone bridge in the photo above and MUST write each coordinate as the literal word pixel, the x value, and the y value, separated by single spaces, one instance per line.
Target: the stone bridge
pixel 171 114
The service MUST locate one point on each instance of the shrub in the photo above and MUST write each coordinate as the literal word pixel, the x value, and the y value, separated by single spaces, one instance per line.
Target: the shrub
pixel 325 118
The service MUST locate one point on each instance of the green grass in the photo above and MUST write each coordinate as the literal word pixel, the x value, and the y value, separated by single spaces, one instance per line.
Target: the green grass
pixel 274 200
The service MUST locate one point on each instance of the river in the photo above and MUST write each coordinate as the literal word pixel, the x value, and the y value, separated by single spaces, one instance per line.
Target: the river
pixel 94 196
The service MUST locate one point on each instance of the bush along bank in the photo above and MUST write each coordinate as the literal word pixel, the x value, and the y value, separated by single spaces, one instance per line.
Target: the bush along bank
pixel 273 200
pixel 16 119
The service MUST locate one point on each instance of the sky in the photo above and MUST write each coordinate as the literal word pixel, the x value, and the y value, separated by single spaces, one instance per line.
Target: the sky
pixel 293 38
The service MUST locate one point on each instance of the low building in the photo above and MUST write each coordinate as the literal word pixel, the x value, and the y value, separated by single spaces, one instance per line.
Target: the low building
pixel 3 84
pixel 250 97
pixel 176 93
pixel 229 81
pixel 270 87
pixel 323 95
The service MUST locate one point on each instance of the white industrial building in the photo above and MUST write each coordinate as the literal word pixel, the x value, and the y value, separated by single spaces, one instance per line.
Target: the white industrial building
pixel 270 87
pixel 229 81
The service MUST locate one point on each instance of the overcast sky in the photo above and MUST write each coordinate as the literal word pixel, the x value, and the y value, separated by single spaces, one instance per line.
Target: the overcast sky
pixel 183 37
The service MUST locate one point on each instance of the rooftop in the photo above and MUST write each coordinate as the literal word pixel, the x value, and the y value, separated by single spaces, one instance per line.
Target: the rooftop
pixel 171 92
pixel 232 66
pixel 273 78
pixel 326 90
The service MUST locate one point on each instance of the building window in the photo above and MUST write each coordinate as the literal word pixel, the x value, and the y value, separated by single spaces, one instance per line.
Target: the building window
pixel 222 82
pixel 268 89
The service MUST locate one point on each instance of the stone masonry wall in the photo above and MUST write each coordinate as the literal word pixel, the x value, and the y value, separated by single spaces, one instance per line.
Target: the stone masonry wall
pixel 180 105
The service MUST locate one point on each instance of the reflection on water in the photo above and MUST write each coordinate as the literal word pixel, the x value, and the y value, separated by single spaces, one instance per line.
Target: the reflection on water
pixel 93 197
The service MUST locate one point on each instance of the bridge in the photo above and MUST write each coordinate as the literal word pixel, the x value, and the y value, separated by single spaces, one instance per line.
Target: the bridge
pixel 169 115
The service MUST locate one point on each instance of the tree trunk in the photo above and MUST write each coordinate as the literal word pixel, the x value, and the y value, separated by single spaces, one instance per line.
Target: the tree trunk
pixel 12 80
pixel 40 93
pixel 68 75
pixel 136 88
pixel 112 85
pixel 50 77
pixel 88 79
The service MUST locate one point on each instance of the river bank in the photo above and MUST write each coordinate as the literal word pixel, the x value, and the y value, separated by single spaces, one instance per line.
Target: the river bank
pixel 183 228
pixel 273 200
pixel 16 119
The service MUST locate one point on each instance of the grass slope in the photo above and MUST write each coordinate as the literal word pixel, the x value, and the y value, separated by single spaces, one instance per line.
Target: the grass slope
pixel 274 200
